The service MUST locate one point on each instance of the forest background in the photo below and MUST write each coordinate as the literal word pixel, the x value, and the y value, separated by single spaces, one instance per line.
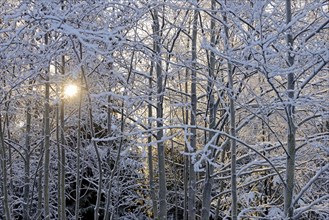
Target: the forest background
pixel 196 109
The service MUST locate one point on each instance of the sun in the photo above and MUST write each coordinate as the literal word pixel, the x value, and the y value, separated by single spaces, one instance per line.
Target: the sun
pixel 70 90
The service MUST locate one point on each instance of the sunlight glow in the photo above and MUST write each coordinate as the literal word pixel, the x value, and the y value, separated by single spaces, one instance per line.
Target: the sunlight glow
pixel 70 90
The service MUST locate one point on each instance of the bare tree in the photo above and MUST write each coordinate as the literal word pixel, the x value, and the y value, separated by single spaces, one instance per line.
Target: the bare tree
pixel 208 182
pixel 192 174
pixel 150 147
pixel 290 111
pixel 159 114
pixel 4 187
pixel 62 146
pixel 47 141
pixel 27 158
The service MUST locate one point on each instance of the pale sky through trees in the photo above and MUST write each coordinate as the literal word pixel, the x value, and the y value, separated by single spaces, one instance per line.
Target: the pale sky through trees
pixel 180 110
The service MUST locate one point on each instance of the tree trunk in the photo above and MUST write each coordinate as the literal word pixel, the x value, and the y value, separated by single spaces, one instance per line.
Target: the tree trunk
pixel 78 178
pixel 290 111
pixel 27 160
pixel 46 141
pixel 233 146
pixel 159 114
pixel 192 174
pixel 116 164
pixel 234 206
pixel 7 104
pixel 98 157
pixel 149 148
pixel 58 144
pixel 46 148
pixel 174 169
pixel 206 197
pixel 110 144
pixel 62 159
pixel 40 174
pixel 185 113
pixel 5 202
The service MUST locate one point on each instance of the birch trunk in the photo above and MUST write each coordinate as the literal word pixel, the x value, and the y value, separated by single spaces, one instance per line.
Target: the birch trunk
pixel 234 205
pixel 206 195
pixel 185 114
pixel 46 141
pixel 5 202
pixel 62 213
pixel 7 104
pixel 78 175
pixel 40 174
pixel 78 178
pixel 233 146
pixel 98 157
pixel 159 114
pixel 290 110
pixel 46 148
pixel 62 159
pixel 110 144
pixel 192 174
pixel 117 160
pixel 58 144
pixel 149 148
pixel 27 160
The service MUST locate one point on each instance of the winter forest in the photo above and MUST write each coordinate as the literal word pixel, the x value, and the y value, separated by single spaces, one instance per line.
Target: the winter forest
pixel 169 109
